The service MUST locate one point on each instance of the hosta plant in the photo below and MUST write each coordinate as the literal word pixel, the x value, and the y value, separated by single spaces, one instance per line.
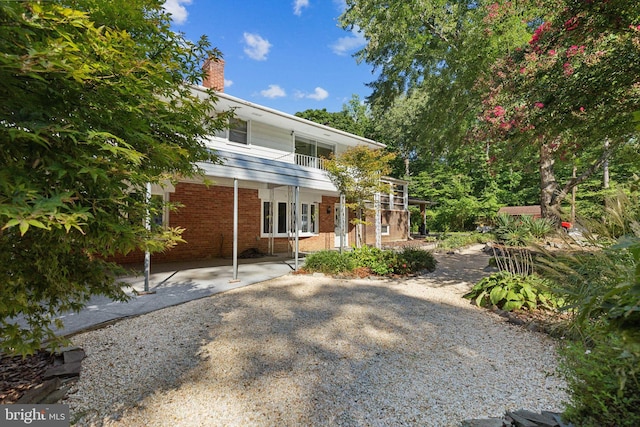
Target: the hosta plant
pixel 510 292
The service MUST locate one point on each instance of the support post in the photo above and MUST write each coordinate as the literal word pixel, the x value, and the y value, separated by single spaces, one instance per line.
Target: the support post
pixel 235 228
pixel 341 220
pixel 297 225
pixel 376 202
pixel 147 254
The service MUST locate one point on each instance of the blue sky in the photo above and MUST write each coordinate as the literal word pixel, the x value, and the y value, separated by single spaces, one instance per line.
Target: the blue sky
pixel 290 55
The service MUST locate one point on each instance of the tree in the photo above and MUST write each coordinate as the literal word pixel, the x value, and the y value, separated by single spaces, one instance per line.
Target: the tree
pixel 435 48
pixel 353 118
pixel 357 174
pixel 96 104
pixel 570 92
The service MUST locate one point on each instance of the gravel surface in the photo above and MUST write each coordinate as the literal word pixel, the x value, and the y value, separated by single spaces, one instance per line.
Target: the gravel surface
pixel 307 350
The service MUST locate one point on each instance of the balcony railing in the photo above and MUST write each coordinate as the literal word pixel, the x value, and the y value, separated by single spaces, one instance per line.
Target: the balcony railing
pixel 310 161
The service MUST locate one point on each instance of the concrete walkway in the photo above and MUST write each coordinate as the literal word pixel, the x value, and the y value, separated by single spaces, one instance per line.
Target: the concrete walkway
pixel 175 283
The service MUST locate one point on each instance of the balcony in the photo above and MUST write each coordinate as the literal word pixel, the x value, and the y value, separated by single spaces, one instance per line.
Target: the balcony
pixel 310 161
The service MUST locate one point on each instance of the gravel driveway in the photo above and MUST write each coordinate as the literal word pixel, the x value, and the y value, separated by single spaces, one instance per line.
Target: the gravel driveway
pixel 306 350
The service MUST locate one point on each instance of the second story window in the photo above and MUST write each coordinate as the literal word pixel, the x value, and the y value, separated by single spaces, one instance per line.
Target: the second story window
pixel 238 131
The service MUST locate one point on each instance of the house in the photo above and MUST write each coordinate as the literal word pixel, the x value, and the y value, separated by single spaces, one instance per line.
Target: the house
pixel 272 167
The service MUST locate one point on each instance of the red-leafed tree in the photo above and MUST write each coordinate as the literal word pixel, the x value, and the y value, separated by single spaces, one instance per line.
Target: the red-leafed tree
pixel 571 91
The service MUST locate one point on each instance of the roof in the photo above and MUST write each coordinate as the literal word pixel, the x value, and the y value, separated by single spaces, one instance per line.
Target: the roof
pixel 420 202
pixel 533 210
pixel 248 110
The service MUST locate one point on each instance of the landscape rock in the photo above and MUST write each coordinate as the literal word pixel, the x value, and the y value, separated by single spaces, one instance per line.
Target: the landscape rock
pixel 63 371
pixel 40 392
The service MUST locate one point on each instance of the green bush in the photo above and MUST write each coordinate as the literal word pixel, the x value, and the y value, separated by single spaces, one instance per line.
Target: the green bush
pixel 601 284
pixel 329 262
pixel 459 240
pixel 511 292
pixel 379 262
pixel 603 383
pixel 520 231
pixel 417 260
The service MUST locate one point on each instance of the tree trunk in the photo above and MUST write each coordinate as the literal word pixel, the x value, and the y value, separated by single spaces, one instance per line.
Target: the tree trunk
pixel 548 185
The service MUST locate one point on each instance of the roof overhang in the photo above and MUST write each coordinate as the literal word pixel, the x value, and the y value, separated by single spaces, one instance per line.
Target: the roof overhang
pixel 249 111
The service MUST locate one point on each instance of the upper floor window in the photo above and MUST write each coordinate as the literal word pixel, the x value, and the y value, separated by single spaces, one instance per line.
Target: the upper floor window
pixel 310 152
pixel 238 131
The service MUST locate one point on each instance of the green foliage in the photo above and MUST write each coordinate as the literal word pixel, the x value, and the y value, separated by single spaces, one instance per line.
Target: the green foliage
pixel 520 231
pixel 459 240
pixel 96 104
pixel 354 118
pixel 538 96
pixel 329 262
pixel 435 49
pixel 377 261
pixel 603 382
pixel 601 285
pixel 357 174
pixel 417 260
pixel 512 292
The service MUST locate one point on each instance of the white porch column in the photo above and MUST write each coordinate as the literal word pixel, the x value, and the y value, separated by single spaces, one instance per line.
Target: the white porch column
pixel 147 255
pixel 235 228
pixel 296 223
pixel 378 220
pixel 341 220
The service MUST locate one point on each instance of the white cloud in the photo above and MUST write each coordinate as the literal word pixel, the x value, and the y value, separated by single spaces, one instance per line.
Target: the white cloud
pixel 298 5
pixel 348 44
pixel 228 83
pixel 177 10
pixel 274 91
pixel 318 94
pixel 257 48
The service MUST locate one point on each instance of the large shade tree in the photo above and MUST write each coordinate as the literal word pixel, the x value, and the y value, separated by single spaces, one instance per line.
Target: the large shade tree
pixel 571 92
pixel 95 104
pixel 433 51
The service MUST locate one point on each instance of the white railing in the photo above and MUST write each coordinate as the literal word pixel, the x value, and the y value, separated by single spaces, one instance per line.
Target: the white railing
pixel 310 161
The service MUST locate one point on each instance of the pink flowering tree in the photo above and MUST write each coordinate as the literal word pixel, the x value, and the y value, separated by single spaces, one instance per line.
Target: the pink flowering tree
pixel 573 87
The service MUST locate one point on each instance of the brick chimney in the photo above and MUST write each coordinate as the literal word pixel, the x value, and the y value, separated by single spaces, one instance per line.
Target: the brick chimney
pixel 214 69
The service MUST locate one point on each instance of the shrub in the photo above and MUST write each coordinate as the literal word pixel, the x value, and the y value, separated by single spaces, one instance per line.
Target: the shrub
pixel 417 260
pixel 458 240
pixel 511 292
pixel 603 382
pixel 520 231
pixel 602 286
pixel 329 262
pixel 377 261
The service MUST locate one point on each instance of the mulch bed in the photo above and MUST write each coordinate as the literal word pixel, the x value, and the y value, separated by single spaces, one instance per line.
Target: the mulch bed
pixel 19 374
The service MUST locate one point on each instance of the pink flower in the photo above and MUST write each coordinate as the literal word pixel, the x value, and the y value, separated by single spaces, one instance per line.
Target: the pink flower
pixel 568 69
pixel 571 24
pixel 552 52
pixel 498 111
pixel 582 109
pixel 539 105
pixel 574 50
